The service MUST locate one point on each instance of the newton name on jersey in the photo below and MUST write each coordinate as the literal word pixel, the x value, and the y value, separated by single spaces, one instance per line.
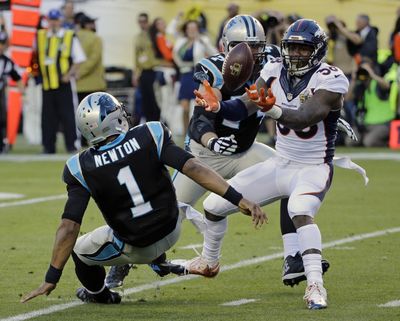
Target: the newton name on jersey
pixel 117 153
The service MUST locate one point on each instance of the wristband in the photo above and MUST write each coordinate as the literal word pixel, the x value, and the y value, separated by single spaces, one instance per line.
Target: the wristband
pixel 53 275
pixel 233 196
pixel 275 112
pixel 211 142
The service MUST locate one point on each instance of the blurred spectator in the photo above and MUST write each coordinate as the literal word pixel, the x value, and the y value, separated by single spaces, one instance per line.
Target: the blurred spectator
pixel 145 75
pixel 91 71
pixel 7 69
pixel 364 41
pixel 338 54
pixel 233 9
pixel 165 71
pixel 188 50
pixel 274 26
pixel 195 13
pixel 59 53
pixel 375 97
pixel 68 15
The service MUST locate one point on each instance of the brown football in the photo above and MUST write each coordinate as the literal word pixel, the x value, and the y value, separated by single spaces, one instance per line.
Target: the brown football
pixel 238 66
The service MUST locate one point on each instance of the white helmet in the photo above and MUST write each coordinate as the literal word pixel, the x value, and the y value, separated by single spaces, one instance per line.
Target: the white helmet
pixel 243 28
pixel 101 115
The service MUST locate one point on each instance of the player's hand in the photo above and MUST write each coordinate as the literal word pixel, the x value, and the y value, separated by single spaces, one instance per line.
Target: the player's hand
pixel 207 99
pixel 44 288
pixel 252 209
pixel 344 126
pixel 259 98
pixel 223 145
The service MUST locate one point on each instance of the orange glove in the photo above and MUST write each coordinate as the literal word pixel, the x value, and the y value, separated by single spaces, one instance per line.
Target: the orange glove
pixel 207 99
pixel 265 103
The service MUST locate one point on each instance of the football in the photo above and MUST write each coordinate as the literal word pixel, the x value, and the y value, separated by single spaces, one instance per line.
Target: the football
pixel 238 66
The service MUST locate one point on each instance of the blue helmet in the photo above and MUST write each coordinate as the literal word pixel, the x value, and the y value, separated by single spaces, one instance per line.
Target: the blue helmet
pixel 304 32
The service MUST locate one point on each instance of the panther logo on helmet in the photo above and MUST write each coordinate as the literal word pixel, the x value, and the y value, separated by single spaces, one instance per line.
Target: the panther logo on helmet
pixel 99 116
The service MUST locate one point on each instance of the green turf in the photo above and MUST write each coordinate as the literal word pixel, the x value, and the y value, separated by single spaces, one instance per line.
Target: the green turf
pixel 363 273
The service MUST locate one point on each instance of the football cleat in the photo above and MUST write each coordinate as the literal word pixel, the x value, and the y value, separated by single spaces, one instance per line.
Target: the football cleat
pixel 293 269
pixel 105 297
pixel 116 275
pixel 200 266
pixel 167 267
pixel 316 297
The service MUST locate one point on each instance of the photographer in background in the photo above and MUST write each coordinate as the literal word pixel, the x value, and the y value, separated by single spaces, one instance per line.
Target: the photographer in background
pixel 375 98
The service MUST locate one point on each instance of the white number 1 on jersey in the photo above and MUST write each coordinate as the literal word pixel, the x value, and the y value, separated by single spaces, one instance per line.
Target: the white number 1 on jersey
pixel 125 177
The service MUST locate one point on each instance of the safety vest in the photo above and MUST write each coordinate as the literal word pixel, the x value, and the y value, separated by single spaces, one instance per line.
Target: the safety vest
pixel 54 55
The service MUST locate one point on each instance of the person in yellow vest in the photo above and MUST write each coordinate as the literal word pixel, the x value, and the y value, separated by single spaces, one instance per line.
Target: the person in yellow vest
pixel 59 54
pixel 375 97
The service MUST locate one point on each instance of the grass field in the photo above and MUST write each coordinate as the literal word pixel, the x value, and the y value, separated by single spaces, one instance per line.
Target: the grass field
pixel 364 270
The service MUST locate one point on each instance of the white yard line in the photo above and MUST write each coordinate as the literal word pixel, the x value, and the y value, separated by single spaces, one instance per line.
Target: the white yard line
pixel 240 264
pixel 238 302
pixel 191 246
pixel 33 200
pixel 391 304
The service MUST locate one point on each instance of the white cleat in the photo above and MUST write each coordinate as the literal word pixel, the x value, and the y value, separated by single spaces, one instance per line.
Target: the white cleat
pixel 200 266
pixel 316 297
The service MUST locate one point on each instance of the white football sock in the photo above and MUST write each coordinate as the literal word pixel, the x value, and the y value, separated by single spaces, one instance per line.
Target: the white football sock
pixel 213 236
pixel 310 238
pixel 290 244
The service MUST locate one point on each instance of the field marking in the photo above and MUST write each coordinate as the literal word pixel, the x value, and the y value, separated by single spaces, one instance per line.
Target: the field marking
pixel 390 304
pixel 238 302
pixel 22 158
pixel 6 196
pixel 157 284
pixel 33 200
pixel 191 246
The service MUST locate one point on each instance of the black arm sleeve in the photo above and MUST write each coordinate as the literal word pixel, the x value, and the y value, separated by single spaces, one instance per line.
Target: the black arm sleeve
pixel 174 156
pixel 201 122
pixel 78 198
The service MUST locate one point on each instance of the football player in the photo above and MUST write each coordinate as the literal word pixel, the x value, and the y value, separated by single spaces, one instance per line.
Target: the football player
pixel 125 173
pixel 230 146
pixel 305 96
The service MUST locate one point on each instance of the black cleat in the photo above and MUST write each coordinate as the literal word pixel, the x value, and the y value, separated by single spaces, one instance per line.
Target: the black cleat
pixel 166 267
pixel 116 275
pixel 293 269
pixel 105 297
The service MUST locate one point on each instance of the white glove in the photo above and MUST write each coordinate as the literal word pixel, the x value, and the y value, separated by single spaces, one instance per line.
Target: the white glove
pixel 344 126
pixel 223 145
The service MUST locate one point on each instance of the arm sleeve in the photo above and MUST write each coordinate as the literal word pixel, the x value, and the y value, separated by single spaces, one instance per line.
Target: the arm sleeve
pixel 201 122
pixel 234 109
pixel 174 156
pixel 78 198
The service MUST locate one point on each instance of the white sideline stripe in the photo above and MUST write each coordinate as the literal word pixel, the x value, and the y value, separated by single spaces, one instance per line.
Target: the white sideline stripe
pixel 372 156
pixel 390 304
pixel 33 200
pixel 344 248
pixel 22 158
pixel 240 264
pixel 238 302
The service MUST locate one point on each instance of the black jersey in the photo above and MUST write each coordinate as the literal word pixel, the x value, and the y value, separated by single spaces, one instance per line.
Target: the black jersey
pixel 246 130
pixel 130 183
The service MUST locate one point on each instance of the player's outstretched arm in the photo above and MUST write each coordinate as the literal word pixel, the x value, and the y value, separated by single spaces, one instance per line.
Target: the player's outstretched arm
pixel 211 180
pixel 66 236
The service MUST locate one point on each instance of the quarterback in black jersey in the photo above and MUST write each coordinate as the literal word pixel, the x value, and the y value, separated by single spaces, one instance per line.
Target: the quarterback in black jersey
pixel 125 173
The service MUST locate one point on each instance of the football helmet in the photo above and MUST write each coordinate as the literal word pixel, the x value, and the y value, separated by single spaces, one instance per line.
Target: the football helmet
pixel 101 115
pixel 245 28
pixel 303 32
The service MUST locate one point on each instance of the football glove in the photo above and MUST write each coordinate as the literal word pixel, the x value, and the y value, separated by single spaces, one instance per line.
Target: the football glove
pixel 208 100
pixel 264 102
pixel 344 126
pixel 223 145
